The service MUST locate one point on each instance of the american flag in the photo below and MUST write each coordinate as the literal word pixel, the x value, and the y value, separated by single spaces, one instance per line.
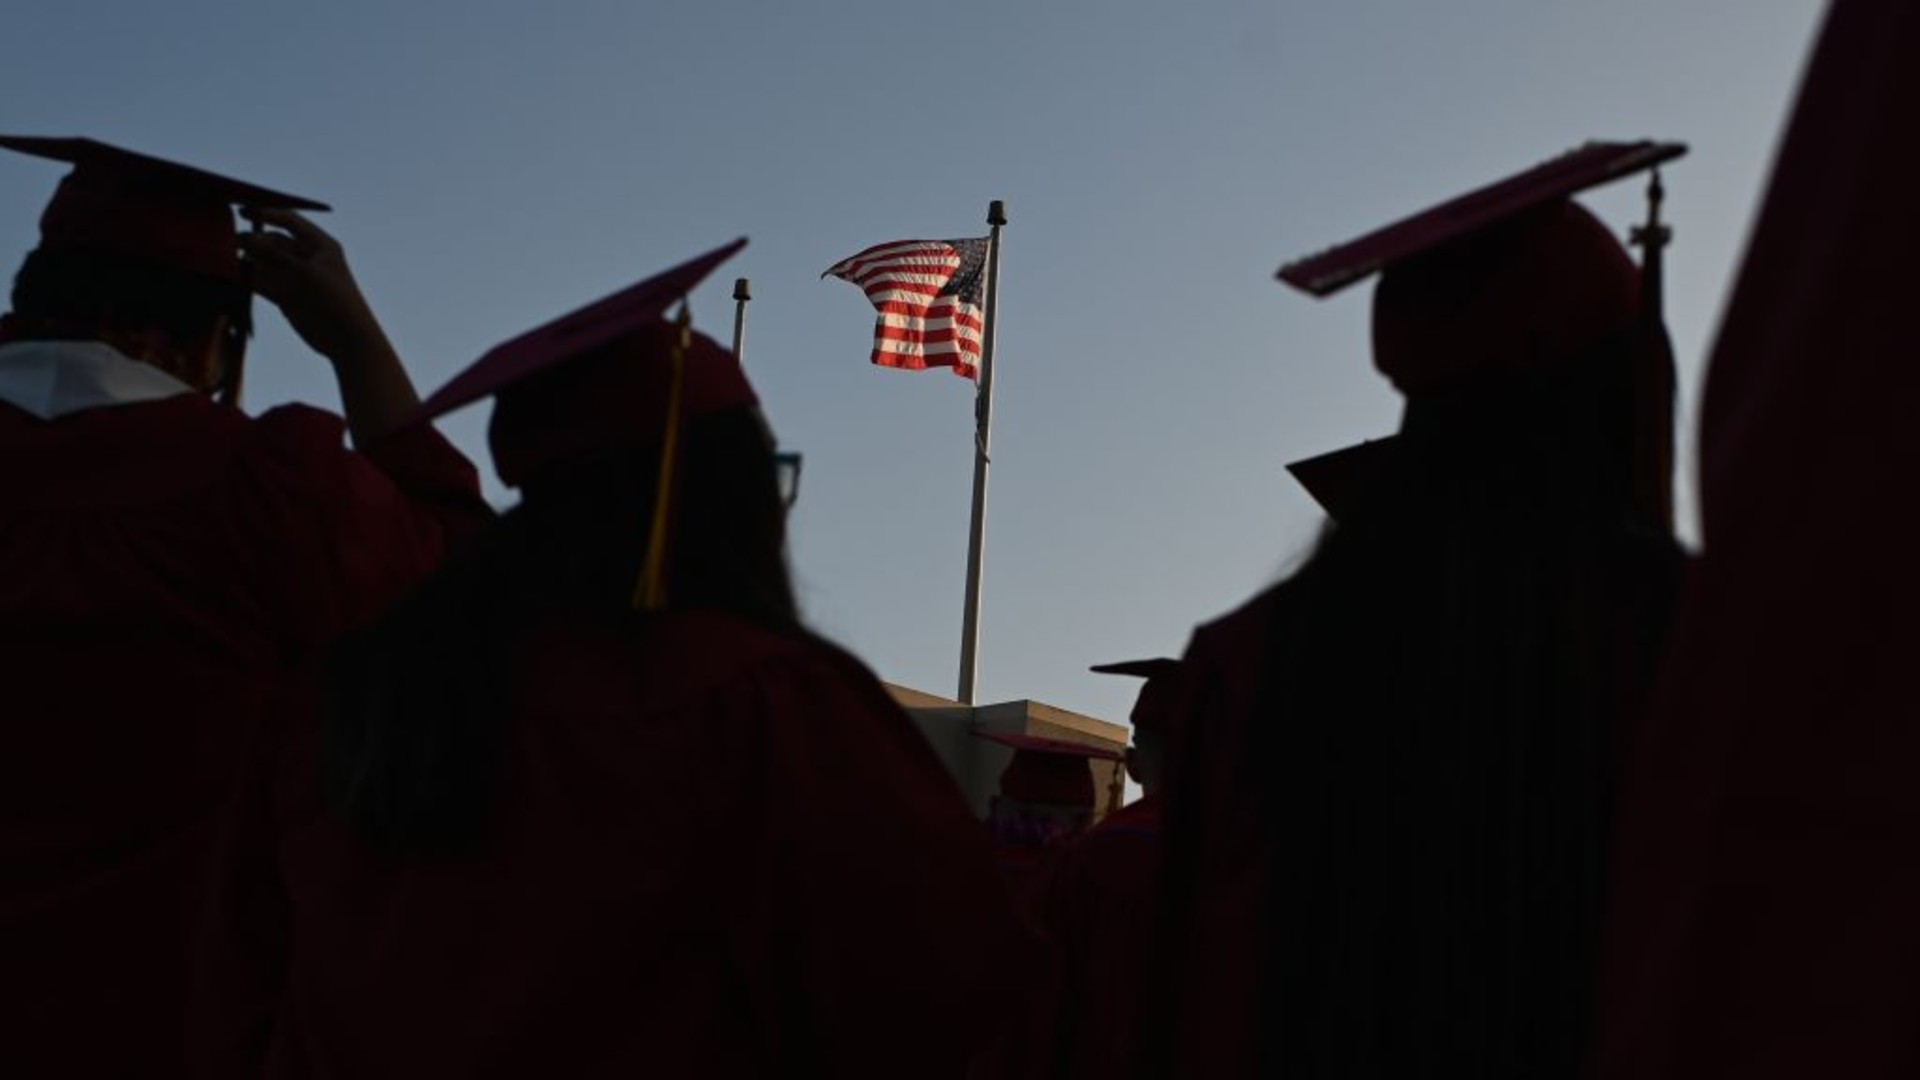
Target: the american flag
pixel 928 295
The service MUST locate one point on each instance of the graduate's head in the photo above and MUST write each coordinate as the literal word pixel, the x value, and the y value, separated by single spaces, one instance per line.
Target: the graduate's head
pixel 186 325
pixel 661 432
pixel 1046 791
pixel 648 485
pixel 1544 288
pixel 620 409
pixel 723 539
pixel 141 253
pixel 1155 712
pixel 1524 341
pixel 1517 326
pixel 1147 757
pixel 619 398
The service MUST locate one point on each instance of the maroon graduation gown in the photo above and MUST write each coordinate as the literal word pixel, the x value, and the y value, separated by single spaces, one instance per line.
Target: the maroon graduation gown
pixel 1100 913
pixel 1768 915
pixel 1208 951
pixel 725 853
pixel 163 567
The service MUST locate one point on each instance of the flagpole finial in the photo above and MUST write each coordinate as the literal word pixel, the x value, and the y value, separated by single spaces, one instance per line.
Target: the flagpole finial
pixel 997 212
pixel 742 289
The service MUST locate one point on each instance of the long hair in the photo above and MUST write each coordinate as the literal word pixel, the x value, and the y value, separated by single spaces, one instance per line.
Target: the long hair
pixel 418 707
pixel 1446 694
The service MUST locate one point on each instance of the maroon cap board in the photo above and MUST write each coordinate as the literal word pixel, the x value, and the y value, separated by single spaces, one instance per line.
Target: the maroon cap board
pixel 587 330
pixel 123 202
pixel 1577 170
pixel 1157 668
pixel 613 374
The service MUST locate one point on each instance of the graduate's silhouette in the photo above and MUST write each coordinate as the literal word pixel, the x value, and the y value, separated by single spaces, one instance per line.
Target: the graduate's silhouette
pixel 593 801
pixel 167 563
pixel 1395 775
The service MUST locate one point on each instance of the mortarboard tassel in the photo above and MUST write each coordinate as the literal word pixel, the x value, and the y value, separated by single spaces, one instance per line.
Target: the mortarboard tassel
pixel 650 591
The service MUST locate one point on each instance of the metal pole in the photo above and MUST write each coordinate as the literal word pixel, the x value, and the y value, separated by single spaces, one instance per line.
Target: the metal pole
pixel 982 450
pixel 1654 378
pixel 1653 238
pixel 742 292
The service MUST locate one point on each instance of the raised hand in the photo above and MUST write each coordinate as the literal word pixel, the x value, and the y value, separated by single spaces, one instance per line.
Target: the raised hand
pixel 303 271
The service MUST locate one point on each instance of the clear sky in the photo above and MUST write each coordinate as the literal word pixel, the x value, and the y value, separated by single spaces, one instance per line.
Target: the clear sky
pixel 493 164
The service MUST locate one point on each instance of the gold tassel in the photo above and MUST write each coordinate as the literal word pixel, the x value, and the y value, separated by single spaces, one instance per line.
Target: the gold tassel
pixel 650 591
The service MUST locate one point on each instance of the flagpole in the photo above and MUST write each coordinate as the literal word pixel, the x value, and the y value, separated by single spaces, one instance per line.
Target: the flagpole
pixel 742 292
pixel 1655 376
pixel 982 453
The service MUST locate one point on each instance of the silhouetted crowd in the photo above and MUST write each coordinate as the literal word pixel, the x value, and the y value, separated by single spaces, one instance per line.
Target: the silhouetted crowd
pixel 314 765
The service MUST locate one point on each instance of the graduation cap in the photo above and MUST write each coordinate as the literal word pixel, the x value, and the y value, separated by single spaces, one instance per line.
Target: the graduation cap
pixel 1143 669
pixel 613 374
pixel 1589 166
pixel 1504 277
pixel 1050 772
pixel 1153 710
pixel 1335 479
pixel 126 203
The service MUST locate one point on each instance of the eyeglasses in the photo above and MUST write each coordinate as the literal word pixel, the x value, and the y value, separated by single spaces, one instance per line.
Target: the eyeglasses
pixel 786 465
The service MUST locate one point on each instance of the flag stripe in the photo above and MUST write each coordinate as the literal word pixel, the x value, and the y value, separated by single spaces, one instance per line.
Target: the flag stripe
pixel 897 338
pixel 933 322
pixel 916 309
pixel 926 294
pixel 928 348
pixel 941 267
pixel 928 289
pixel 919 249
pixel 933 255
pixel 916 363
pixel 889 248
pixel 916 275
pixel 895 326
